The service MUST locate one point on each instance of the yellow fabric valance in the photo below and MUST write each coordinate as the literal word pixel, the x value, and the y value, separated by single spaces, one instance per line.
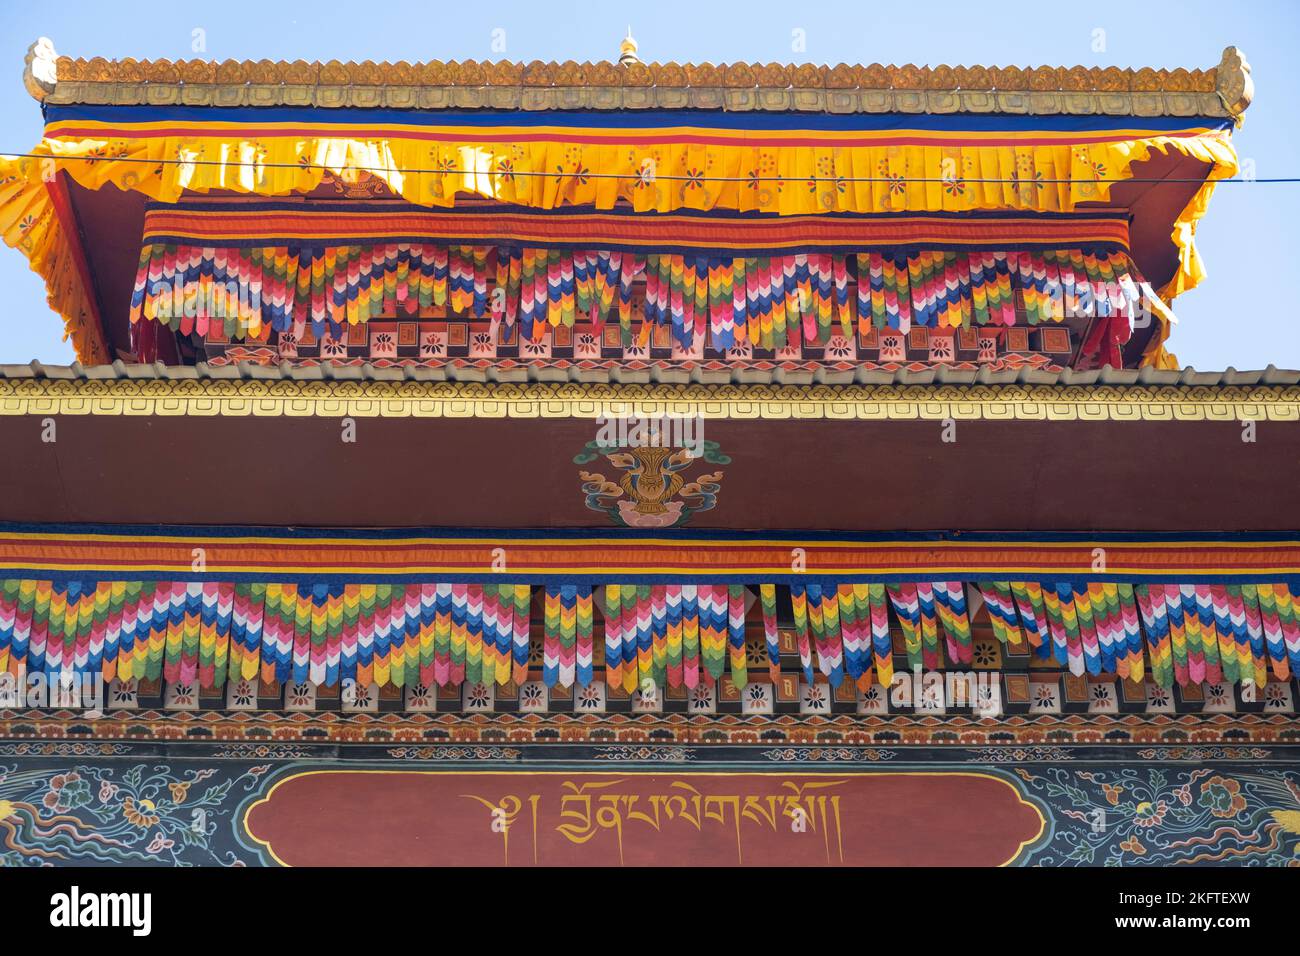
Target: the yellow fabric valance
pixel 30 223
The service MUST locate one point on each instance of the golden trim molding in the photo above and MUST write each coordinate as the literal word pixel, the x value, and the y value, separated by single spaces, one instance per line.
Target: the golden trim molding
pixel 406 399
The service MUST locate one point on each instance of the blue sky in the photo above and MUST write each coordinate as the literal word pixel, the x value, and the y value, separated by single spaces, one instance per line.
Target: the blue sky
pixel 1227 321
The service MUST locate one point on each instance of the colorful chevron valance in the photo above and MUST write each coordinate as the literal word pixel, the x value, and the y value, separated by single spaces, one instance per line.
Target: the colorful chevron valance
pixel 1194 633
pixel 727 301
pixel 728 278
pixel 672 635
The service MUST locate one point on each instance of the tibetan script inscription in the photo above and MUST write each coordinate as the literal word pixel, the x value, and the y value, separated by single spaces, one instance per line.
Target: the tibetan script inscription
pixel 568 818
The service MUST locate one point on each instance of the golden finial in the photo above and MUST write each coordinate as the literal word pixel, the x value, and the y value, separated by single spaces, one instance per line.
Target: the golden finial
pixel 627 50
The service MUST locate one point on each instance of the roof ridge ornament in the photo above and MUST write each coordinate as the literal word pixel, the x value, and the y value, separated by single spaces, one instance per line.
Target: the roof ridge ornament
pixel 627 50
pixel 40 69
pixel 1233 82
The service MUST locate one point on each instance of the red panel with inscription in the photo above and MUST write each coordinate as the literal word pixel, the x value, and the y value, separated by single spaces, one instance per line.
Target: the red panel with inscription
pixel 420 818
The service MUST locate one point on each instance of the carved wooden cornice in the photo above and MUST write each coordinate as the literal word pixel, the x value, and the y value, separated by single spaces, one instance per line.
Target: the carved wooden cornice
pixel 1225 90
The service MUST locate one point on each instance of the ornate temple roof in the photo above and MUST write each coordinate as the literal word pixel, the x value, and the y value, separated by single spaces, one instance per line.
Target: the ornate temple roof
pixel 697 145
pixel 1222 90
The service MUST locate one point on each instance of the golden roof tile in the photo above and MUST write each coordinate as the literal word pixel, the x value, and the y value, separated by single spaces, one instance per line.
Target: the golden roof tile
pixel 1224 90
